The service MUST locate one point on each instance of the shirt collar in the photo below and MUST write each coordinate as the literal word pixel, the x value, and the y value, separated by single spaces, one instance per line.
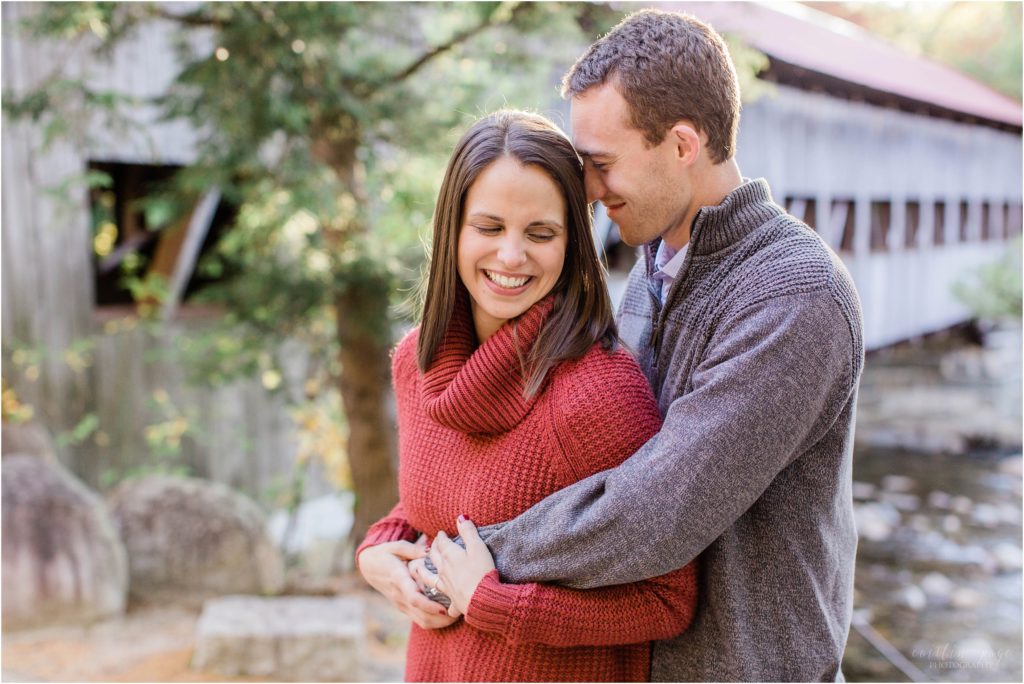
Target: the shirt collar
pixel 668 261
pixel 718 227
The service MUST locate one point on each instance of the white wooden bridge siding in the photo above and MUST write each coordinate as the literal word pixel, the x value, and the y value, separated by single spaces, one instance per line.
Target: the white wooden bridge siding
pixel 810 145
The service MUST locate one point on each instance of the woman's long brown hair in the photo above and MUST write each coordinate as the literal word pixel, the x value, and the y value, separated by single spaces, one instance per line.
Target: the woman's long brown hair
pixel 582 314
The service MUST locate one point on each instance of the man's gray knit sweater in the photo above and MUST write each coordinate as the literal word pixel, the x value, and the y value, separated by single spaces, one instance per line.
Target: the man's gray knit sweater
pixel 755 359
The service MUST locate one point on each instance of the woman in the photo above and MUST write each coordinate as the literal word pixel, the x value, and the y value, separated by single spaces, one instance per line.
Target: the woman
pixel 512 388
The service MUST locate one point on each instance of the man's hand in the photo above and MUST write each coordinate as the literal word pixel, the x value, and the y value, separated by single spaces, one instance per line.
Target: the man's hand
pixel 385 568
pixel 460 570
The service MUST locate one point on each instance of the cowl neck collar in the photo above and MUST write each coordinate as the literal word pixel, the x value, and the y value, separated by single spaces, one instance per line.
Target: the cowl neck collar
pixel 479 389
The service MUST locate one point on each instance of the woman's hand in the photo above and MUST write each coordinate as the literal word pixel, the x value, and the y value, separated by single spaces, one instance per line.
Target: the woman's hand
pixel 460 570
pixel 427 582
pixel 385 568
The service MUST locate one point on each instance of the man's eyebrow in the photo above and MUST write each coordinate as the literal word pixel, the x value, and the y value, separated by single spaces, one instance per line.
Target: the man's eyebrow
pixel 590 154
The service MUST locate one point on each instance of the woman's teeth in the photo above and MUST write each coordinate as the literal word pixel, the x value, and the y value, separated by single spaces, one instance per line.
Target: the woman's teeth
pixel 506 282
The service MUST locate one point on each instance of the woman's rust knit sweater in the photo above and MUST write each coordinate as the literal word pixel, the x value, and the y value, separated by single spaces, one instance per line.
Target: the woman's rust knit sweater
pixel 470 444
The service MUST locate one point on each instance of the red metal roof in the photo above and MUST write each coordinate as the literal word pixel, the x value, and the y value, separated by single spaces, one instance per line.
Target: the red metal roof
pixel 820 42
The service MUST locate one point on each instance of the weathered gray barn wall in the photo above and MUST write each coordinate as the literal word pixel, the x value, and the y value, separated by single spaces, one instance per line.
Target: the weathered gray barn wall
pixel 241 434
pixel 813 146
pixel 47 277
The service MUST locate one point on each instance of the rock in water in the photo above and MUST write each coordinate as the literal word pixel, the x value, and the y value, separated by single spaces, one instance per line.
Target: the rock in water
pixel 937 587
pixel 63 562
pixel 190 539
pixel 911 597
pixel 876 521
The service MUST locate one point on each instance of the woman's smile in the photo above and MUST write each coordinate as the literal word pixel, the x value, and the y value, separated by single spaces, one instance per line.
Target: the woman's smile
pixel 510 285
pixel 512 242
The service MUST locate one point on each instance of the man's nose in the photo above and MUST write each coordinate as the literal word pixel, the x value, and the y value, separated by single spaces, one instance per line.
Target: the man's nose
pixel 594 185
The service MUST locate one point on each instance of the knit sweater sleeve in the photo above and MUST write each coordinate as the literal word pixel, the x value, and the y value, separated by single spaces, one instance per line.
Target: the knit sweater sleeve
pixel 392 527
pixel 771 383
pixel 601 414
pixel 549 614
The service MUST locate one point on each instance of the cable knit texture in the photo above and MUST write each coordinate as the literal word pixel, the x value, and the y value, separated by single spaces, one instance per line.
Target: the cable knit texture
pixel 470 444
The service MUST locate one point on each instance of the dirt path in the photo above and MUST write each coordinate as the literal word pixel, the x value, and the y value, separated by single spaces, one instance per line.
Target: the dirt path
pixel 155 644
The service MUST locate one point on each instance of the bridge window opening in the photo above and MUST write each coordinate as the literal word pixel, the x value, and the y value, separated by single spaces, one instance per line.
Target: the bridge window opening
pixel 842 222
pixel 988 231
pixel 804 209
pixel 1014 219
pixel 881 224
pixel 141 236
pixel 913 224
pixel 939 235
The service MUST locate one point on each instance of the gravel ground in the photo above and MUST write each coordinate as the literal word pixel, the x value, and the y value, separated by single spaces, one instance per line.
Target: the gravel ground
pixel 155 644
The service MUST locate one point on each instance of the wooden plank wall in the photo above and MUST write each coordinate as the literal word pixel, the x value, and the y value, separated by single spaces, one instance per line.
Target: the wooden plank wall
pixel 814 146
pixel 239 434
pixel 46 245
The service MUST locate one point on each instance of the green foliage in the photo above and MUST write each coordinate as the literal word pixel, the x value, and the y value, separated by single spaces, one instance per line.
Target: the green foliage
pixel 160 210
pixel 149 291
pixel 85 429
pixel 329 125
pixel 993 292
pixel 749 63
pixel 61 190
pixel 163 441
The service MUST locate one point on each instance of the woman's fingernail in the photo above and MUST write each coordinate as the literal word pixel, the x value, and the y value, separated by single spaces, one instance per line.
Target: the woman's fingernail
pixel 463 518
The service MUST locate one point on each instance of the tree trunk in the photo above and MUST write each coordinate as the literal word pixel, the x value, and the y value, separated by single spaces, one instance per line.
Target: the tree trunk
pixel 365 341
pixel 364 338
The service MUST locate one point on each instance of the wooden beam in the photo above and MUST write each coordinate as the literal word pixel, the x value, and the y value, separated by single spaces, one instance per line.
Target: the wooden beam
pixel 198 227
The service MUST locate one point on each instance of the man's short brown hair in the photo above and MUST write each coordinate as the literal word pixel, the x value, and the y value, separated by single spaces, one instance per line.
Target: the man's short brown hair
pixel 668 66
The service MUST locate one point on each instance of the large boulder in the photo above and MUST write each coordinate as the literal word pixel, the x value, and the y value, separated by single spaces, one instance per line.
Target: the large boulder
pixel 62 559
pixel 189 540
pixel 29 439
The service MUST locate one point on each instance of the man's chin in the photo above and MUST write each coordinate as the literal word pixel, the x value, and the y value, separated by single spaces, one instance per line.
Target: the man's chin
pixel 630 239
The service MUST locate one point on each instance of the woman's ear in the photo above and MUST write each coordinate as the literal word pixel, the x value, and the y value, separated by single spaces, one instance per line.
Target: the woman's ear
pixel 686 141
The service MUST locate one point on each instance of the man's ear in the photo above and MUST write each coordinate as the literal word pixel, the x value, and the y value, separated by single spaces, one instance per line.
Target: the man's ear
pixel 687 142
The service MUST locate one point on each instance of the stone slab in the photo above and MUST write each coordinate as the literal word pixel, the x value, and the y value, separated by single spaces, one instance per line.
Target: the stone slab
pixel 296 639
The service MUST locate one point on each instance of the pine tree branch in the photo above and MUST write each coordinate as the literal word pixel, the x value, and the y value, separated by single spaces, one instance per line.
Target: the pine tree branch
pixel 195 19
pixel 504 14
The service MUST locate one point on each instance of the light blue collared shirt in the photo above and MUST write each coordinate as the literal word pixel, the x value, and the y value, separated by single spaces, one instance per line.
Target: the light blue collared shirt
pixel 668 261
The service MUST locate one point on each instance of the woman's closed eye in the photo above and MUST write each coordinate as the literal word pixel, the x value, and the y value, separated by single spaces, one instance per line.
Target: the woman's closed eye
pixel 488 230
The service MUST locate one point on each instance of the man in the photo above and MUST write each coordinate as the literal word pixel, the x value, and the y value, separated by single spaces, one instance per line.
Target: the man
pixel 749 330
